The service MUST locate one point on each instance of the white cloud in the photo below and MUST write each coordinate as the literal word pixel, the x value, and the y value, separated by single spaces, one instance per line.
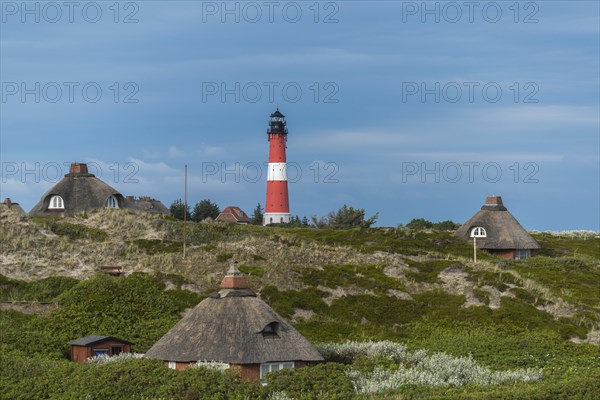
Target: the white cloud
pixel 539 116
pixel 210 151
pixel 175 152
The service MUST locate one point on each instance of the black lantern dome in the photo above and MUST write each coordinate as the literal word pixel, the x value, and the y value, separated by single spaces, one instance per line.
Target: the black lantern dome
pixel 277 123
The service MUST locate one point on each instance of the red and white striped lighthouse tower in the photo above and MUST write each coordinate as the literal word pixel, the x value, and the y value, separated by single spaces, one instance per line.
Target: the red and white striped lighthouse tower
pixel 277 208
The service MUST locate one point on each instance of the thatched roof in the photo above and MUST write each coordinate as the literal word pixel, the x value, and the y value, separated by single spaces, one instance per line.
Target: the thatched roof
pixel 503 231
pixel 146 204
pixel 233 214
pixel 81 191
pixel 233 326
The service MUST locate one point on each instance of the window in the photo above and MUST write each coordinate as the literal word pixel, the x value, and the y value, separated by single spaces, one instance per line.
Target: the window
pixel 115 350
pixel 100 352
pixel 172 365
pixel 270 330
pixel 56 203
pixel 522 254
pixel 271 367
pixel 478 232
pixel 111 202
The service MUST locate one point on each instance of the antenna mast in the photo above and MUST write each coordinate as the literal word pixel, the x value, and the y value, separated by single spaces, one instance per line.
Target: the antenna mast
pixel 184 210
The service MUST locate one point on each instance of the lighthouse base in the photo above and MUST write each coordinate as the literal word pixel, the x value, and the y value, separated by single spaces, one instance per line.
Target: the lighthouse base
pixel 276 218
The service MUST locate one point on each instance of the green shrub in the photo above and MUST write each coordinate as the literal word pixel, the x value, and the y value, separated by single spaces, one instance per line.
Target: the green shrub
pixel 175 279
pixel 428 271
pixel 156 246
pixel 72 231
pixel 284 302
pixel 252 270
pixel 575 279
pixel 24 378
pixel 370 277
pixel 183 298
pixel 323 381
pixel 222 257
pixel 41 290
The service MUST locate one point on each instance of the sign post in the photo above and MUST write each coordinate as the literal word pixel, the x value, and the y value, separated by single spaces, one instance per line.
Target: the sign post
pixel 477 232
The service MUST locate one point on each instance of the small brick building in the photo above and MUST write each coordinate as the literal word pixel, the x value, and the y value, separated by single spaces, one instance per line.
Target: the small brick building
pixel 235 327
pixel 90 346
pixel 505 237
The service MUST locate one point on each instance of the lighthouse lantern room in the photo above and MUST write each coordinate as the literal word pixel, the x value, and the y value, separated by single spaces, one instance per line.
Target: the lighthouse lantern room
pixel 277 207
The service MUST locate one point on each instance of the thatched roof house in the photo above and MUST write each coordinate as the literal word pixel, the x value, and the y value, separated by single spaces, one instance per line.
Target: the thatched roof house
pixel 505 237
pixel 233 214
pixel 235 327
pixel 81 191
pixel 13 206
pixel 146 204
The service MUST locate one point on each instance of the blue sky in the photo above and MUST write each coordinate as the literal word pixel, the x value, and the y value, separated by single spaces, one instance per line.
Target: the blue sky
pixel 409 109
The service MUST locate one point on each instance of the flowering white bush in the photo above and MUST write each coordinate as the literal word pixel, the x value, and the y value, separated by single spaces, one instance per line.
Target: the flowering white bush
pixel 106 359
pixel 349 351
pixel 279 396
pixel 574 234
pixel 381 379
pixel 418 368
pixel 219 366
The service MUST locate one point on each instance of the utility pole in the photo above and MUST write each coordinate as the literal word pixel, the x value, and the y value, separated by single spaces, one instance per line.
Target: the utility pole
pixel 184 209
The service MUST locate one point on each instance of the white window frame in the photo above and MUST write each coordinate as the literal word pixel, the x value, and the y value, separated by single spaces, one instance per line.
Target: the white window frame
pixel 275 366
pixel 173 364
pixel 56 203
pixel 522 254
pixel 101 350
pixel 111 202
pixel 478 232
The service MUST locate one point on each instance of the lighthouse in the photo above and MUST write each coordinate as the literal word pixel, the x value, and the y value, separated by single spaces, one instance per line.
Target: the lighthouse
pixel 277 208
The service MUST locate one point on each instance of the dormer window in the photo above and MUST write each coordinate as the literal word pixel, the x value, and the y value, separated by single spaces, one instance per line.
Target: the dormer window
pixel 270 330
pixel 478 232
pixel 56 203
pixel 111 202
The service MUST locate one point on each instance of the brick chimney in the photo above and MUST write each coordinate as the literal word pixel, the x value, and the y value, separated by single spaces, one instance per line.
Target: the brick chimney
pixel 234 278
pixel 78 168
pixel 493 201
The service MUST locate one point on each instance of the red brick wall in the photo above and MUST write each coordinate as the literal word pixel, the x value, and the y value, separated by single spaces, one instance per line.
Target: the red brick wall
pixel 252 371
pixel 506 254
pixel 493 201
pixel 78 168
pixel 80 353
pixel 248 372
pixel 301 364
pixel 180 366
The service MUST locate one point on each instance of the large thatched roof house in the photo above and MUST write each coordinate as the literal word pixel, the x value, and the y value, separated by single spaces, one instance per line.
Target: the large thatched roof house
pixel 504 236
pixel 235 327
pixel 81 191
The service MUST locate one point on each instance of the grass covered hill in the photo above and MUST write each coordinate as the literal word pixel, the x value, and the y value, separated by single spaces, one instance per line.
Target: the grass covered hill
pixel 539 318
